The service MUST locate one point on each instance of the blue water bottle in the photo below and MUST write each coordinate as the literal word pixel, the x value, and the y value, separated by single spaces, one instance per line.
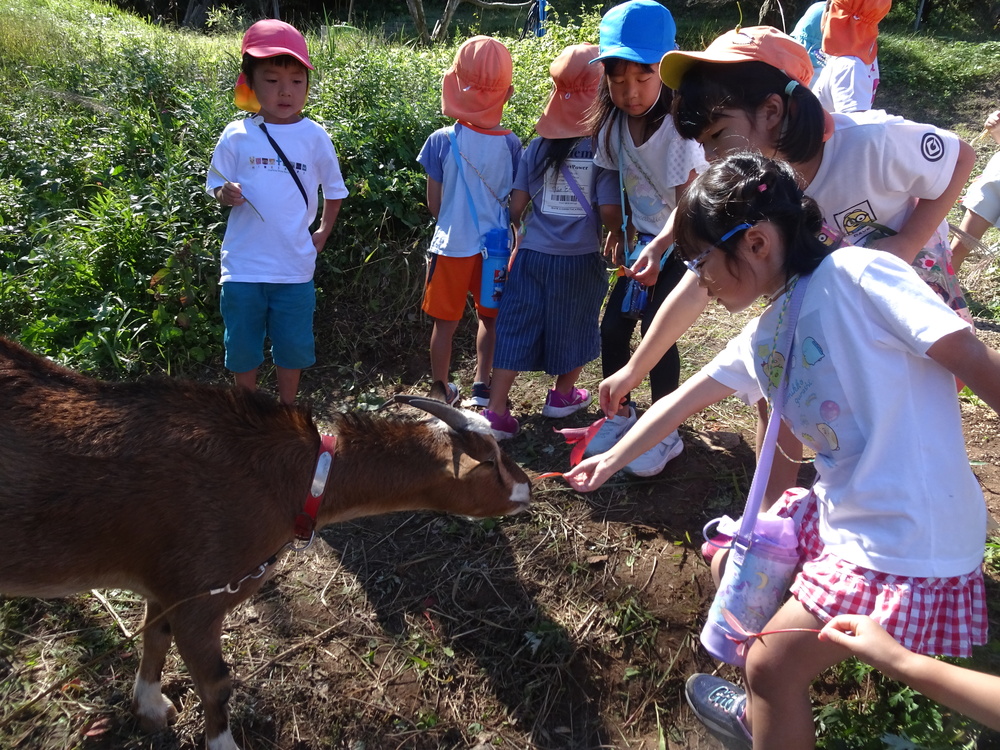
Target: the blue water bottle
pixel 496 256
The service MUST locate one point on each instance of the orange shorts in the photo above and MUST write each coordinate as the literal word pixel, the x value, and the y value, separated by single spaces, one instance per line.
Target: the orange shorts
pixel 449 283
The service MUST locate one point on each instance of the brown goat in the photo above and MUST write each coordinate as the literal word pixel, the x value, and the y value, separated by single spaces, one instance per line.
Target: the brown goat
pixel 180 492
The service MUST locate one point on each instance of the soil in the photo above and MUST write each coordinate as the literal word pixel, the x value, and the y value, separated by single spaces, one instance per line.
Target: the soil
pixel 573 626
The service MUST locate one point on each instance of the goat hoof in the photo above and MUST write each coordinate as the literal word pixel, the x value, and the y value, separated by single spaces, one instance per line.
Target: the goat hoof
pixel 156 717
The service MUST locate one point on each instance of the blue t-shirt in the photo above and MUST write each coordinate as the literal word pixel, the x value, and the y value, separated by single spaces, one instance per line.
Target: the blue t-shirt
pixel 485 169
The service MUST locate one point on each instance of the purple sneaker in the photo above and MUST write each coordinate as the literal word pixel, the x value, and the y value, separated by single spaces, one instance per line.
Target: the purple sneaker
pixel 558 405
pixel 503 425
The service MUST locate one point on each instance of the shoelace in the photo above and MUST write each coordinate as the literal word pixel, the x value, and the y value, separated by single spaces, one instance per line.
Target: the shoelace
pixel 725 698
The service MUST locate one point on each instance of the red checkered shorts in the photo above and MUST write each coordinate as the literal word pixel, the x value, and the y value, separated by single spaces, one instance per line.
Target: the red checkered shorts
pixel 934 616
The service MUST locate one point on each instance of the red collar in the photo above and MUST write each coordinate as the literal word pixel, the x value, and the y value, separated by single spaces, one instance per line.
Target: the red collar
pixel 305 522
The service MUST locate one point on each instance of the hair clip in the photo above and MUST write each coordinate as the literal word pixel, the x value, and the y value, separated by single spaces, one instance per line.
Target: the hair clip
pixel 761 187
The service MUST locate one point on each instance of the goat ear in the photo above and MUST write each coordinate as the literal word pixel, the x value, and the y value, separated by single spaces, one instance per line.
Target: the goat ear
pixel 454 418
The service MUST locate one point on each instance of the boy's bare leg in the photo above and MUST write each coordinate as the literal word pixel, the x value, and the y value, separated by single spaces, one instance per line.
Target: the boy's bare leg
pixel 441 337
pixel 288 384
pixel 246 379
pixel 486 338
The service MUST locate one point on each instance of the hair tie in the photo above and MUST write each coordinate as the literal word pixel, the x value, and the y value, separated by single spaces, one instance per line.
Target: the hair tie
pixel 790 87
pixel 761 187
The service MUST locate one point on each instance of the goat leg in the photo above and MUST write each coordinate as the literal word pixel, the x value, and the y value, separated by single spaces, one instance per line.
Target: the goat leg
pixel 153 710
pixel 199 641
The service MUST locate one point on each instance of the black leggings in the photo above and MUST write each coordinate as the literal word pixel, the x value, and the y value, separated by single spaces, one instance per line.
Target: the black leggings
pixel 616 331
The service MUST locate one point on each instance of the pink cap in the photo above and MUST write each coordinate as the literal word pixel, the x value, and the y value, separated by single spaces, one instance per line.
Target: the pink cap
pixel 269 38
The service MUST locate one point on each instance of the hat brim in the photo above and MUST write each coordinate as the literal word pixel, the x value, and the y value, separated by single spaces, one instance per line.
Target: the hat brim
pixel 675 63
pixel 263 52
pixel 632 54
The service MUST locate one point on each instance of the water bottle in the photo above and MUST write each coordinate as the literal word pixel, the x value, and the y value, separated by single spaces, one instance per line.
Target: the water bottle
pixel 753 587
pixel 496 256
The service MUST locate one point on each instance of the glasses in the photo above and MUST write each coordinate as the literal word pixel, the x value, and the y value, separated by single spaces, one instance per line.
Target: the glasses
pixel 694 265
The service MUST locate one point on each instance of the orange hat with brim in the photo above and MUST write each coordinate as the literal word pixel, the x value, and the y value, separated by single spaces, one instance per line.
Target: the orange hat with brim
pixel 269 38
pixel 474 89
pixel 761 43
pixel 850 27
pixel 753 43
pixel 576 83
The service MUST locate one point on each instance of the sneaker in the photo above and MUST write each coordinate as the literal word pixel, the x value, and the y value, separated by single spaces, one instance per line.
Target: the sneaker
pixel 451 394
pixel 480 394
pixel 720 706
pixel 558 405
pixel 503 425
pixel 613 430
pixel 652 461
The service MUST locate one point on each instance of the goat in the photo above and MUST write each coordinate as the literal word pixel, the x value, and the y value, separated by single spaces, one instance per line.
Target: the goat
pixel 184 493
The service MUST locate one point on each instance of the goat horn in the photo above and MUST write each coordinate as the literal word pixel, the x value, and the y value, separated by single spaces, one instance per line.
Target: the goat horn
pixel 454 418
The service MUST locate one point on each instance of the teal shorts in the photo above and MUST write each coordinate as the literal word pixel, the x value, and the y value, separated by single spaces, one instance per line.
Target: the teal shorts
pixel 281 312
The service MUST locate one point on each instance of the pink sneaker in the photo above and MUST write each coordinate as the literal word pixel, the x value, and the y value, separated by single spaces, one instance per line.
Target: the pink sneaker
pixel 558 405
pixel 503 425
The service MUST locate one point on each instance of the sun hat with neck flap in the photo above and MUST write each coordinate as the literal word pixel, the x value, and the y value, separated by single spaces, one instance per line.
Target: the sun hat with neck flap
pixel 269 38
pixel 850 28
pixel 639 31
pixel 576 83
pixel 475 88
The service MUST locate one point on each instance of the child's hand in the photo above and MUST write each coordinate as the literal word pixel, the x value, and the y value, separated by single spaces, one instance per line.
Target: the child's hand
pixel 589 474
pixel 864 638
pixel 230 194
pixel 646 268
pixel 612 392
pixel 992 124
pixel 614 249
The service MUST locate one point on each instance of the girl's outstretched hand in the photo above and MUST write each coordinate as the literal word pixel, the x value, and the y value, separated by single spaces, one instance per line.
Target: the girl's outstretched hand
pixel 589 474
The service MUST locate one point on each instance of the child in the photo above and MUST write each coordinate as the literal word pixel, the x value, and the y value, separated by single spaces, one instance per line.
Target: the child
pixel 748 90
pixel 971 693
pixel 551 302
pixel 982 199
pixel 470 171
pixel 634 135
pixel 809 33
pixel 268 254
pixel 905 546
pixel 849 77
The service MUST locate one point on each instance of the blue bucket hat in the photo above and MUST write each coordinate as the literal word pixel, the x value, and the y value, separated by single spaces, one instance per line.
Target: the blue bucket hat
pixel 640 31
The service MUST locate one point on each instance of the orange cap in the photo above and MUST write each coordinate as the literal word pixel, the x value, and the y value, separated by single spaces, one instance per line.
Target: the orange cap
pixel 475 87
pixel 850 27
pixel 576 82
pixel 761 43
pixel 269 38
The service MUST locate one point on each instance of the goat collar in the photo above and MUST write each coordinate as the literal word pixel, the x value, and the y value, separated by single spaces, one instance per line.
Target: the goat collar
pixel 305 522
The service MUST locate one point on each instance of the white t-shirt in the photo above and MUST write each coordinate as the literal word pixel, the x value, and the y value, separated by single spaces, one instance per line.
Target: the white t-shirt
pixel 875 167
pixel 275 247
pixel 846 84
pixel 895 490
pixel 651 172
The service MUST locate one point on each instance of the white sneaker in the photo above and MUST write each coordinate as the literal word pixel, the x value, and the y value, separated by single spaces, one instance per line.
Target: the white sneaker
pixel 611 432
pixel 652 461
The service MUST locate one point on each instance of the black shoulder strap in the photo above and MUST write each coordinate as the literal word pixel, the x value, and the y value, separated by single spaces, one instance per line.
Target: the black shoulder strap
pixel 288 165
